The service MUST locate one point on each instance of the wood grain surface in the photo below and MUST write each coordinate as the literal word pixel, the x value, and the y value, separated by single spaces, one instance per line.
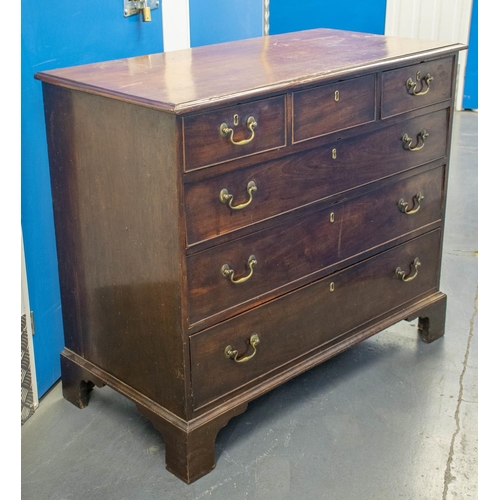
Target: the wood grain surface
pixel 395 96
pixel 119 247
pixel 137 165
pixel 289 251
pixel 205 145
pixel 301 321
pixel 186 80
pixel 329 108
pixel 297 180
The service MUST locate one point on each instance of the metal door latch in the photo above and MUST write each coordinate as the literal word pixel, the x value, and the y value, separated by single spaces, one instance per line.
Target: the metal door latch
pixel 131 8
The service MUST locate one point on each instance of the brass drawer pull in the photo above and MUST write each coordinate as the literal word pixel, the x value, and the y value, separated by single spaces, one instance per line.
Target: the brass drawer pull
pixel 225 130
pixel 227 272
pixel 421 137
pixel 411 86
pixel 403 205
pixel 402 275
pixel 231 353
pixel 227 198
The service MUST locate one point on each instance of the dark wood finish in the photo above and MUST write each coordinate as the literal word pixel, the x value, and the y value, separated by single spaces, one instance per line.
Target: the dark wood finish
pixel 395 97
pixel 303 320
pixel 211 76
pixel 324 140
pixel 298 248
pixel 190 451
pixel 326 351
pixel 189 445
pixel 204 145
pixel 432 320
pixel 141 234
pixel 316 111
pixel 300 179
pixel 77 382
pixel 119 257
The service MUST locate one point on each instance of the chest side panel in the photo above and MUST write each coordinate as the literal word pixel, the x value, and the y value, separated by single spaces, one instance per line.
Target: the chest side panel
pixel 116 209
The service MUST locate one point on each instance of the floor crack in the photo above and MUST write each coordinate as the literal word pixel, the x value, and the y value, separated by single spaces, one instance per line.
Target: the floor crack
pixel 448 477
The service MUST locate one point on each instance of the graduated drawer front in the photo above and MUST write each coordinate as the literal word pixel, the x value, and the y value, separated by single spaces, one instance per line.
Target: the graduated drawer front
pixel 337 106
pixel 299 179
pixel 302 246
pixel 301 321
pixel 205 143
pixel 409 88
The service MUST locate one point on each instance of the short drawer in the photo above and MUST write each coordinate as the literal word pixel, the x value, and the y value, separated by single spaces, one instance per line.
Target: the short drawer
pixel 416 86
pixel 337 106
pixel 243 197
pixel 310 317
pixel 232 132
pixel 242 270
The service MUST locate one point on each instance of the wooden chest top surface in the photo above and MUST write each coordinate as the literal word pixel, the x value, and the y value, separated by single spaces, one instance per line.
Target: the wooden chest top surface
pixel 186 80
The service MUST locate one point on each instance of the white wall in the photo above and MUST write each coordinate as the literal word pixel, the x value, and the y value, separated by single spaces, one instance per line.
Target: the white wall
pixel 444 20
pixel 175 19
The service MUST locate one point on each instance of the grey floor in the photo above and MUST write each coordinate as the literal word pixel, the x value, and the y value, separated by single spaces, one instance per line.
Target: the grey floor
pixel 391 418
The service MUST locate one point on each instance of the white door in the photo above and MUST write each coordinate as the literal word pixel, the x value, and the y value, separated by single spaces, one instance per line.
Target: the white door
pixel 443 20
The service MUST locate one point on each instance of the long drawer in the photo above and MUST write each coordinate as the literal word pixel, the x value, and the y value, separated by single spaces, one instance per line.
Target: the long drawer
pixel 302 321
pixel 240 198
pixel 241 270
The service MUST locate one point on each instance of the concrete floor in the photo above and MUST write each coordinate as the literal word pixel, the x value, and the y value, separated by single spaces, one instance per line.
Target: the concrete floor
pixel 391 418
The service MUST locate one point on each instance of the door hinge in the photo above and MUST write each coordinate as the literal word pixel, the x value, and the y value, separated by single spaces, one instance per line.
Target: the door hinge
pixel 32 323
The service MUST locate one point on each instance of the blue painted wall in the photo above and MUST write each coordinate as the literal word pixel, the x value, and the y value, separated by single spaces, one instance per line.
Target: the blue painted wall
pixel 471 91
pixel 216 21
pixel 367 16
pixel 73 33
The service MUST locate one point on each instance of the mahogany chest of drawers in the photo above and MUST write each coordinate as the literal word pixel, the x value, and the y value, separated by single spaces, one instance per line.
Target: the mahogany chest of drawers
pixel 230 216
